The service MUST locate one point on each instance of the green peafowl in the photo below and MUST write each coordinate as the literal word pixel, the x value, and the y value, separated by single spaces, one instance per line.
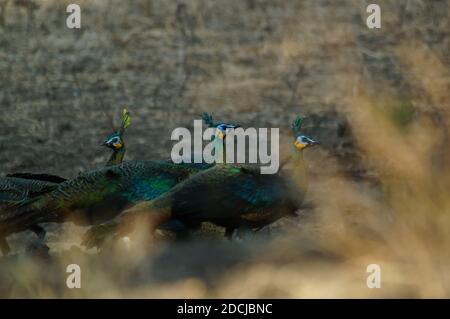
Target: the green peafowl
pixel 228 195
pixel 97 196
pixel 116 142
pixel 19 187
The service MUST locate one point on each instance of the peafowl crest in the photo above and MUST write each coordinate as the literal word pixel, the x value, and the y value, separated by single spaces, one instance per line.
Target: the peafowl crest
pixel 221 127
pixel 126 121
pixel 208 119
pixel 297 126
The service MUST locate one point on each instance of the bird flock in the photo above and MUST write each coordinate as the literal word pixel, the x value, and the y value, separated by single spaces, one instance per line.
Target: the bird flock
pixel 124 198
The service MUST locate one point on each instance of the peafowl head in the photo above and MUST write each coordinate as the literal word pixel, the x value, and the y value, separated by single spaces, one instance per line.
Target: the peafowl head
pixel 301 141
pixel 114 141
pixel 221 128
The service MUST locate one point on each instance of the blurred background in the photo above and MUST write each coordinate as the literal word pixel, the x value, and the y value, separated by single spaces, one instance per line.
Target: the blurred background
pixel 378 100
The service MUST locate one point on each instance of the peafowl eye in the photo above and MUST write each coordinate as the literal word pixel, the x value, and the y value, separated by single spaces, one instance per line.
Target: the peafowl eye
pixel 113 141
pixel 304 141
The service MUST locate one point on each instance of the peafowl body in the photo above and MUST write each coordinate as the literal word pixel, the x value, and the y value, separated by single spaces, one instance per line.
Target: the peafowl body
pixel 231 196
pixel 20 186
pixel 97 196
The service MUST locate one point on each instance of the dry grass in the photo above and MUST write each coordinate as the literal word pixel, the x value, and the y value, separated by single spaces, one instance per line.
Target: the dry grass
pixel 378 100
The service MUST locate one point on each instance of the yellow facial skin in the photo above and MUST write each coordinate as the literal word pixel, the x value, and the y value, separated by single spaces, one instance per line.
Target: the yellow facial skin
pixel 117 145
pixel 220 135
pixel 298 145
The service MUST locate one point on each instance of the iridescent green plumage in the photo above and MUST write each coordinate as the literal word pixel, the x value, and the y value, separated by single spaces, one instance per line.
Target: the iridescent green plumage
pixel 18 187
pixel 228 195
pixel 96 196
